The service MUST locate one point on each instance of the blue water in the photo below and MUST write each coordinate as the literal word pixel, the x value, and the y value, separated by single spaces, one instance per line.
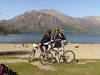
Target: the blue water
pixel 29 37
pixel 92 38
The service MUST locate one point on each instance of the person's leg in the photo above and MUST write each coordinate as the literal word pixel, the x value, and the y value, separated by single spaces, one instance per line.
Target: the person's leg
pixel 41 48
pixel 46 47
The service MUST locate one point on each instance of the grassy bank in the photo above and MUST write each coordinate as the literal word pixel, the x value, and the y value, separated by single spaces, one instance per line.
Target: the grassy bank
pixel 90 67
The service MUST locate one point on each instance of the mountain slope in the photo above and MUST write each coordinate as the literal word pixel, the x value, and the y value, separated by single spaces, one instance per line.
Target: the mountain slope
pixel 41 20
pixel 33 22
pixel 89 24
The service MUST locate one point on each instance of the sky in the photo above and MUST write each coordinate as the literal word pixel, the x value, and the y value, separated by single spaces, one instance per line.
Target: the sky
pixel 75 8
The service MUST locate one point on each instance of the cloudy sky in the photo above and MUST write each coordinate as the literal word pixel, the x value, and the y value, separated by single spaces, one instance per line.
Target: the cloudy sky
pixel 74 8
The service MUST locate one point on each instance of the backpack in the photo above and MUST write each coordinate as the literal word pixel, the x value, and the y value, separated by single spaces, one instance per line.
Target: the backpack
pixel 5 71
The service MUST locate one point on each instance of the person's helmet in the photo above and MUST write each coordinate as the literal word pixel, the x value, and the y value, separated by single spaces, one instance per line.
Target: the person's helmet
pixel 48 31
pixel 57 29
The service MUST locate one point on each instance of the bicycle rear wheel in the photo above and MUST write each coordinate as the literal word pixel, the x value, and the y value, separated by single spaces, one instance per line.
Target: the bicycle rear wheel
pixel 31 56
pixel 46 58
pixel 69 56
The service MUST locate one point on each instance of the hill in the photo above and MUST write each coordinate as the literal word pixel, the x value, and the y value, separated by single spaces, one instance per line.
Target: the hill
pixel 39 20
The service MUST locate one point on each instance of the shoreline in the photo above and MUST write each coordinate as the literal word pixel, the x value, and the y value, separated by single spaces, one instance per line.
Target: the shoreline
pixel 81 50
pixel 37 41
pixel 20 43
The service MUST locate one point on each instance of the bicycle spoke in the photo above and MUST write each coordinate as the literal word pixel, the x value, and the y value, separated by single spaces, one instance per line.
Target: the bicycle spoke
pixel 70 56
pixel 31 56
pixel 46 58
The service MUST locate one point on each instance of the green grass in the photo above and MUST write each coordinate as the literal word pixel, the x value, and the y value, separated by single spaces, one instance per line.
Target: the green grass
pixel 90 68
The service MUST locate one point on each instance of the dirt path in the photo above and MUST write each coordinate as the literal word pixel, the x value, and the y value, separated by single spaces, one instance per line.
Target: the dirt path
pixel 12 60
pixel 45 67
pixel 37 63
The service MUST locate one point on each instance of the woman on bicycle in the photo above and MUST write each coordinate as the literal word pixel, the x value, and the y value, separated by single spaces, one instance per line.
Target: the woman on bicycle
pixel 45 40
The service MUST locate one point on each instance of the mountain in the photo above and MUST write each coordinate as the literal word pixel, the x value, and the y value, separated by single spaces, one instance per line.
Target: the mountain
pixel 40 20
pixel 33 21
pixel 90 24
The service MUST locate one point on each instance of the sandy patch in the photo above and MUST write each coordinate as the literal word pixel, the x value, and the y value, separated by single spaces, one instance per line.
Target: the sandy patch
pixel 81 50
pixel 12 60
pixel 44 67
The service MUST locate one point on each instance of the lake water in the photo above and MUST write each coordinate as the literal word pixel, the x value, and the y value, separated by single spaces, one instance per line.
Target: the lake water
pixel 30 37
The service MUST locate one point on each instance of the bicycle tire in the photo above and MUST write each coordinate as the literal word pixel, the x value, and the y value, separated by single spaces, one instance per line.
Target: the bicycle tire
pixel 46 58
pixel 31 56
pixel 55 55
pixel 69 56
pixel 75 61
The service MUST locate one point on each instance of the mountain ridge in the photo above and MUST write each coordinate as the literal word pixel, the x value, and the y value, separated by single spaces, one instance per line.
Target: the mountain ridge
pixel 39 20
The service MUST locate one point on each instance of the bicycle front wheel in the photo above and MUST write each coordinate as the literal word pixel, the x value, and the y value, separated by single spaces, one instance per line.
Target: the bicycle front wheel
pixel 69 56
pixel 46 58
pixel 31 56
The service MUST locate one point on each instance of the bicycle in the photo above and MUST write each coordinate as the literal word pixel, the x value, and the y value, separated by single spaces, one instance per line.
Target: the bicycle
pixel 53 55
pixel 32 53
pixel 44 57
pixel 67 56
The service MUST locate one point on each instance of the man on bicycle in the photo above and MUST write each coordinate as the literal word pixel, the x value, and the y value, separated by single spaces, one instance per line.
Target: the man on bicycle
pixel 44 43
pixel 58 38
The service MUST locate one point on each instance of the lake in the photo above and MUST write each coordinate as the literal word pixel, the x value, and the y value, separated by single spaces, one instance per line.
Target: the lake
pixel 92 38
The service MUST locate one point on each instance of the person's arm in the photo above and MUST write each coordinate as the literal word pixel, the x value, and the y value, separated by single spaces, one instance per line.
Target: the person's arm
pixel 42 40
pixel 64 40
pixel 63 37
pixel 53 38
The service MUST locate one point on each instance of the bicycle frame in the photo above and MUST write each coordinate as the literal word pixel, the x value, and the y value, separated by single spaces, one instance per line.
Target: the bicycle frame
pixel 56 53
pixel 61 53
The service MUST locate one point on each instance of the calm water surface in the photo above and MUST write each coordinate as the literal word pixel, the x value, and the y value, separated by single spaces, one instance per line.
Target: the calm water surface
pixel 29 37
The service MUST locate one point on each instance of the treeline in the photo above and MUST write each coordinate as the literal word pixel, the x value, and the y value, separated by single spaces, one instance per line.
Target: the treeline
pixel 3 30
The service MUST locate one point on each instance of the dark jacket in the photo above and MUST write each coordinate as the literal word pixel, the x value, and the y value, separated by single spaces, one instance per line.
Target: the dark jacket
pixel 58 36
pixel 46 38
